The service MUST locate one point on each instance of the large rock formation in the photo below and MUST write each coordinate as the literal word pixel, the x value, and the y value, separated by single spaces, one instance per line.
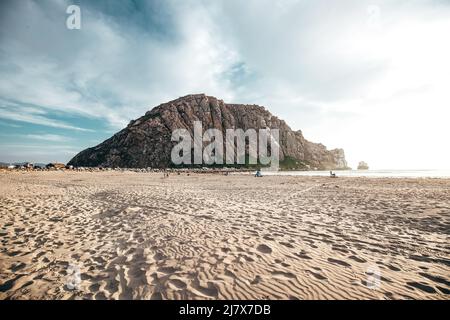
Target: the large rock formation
pixel 146 142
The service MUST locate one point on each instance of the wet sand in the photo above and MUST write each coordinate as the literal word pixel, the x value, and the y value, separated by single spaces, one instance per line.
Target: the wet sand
pixel 114 235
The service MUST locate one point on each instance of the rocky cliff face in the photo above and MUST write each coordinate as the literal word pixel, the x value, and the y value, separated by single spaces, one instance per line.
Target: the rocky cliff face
pixel 146 142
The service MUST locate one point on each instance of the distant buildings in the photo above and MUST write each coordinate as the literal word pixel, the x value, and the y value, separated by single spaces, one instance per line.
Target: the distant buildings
pixel 56 165
pixel 29 166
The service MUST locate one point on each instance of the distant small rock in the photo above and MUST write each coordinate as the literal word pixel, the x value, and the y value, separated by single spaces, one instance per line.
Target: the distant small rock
pixel 363 165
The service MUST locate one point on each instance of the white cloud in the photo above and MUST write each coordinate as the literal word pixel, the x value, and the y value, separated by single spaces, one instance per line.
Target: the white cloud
pixel 34 115
pixel 370 78
pixel 105 70
pixel 48 137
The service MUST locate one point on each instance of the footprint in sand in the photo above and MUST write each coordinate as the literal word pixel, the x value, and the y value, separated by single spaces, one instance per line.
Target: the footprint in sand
pixel 393 268
pixel 206 292
pixel 167 270
pixel 303 255
pixel 264 249
pixel 17 266
pixel 422 287
pixel 317 275
pixel 283 275
pixel 156 296
pixel 256 280
pixel 9 284
pixel 357 259
pixel 287 244
pixel 443 290
pixel 177 284
pixel 339 262
pixel 435 278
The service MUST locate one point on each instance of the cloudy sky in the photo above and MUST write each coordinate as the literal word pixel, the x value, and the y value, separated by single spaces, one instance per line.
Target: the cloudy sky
pixel 372 77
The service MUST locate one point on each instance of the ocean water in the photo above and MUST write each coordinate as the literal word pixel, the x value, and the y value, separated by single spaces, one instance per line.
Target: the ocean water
pixel 370 173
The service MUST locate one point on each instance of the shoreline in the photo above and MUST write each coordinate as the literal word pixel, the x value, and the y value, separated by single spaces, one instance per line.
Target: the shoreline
pixel 370 174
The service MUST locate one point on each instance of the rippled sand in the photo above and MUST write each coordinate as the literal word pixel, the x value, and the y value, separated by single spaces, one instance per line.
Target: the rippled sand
pixel 112 235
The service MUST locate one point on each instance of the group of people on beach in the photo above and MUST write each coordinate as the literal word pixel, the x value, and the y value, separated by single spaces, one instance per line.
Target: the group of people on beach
pixel 258 174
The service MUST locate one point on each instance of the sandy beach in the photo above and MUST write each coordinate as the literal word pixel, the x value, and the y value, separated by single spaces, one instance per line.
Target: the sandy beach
pixel 125 235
